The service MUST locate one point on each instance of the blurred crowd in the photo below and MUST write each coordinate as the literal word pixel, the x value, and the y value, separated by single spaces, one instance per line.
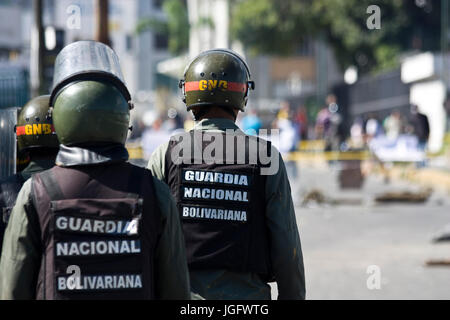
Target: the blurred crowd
pixel 392 127
pixel 366 132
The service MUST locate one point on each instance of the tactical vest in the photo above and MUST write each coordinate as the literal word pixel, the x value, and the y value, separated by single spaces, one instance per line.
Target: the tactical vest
pixel 99 226
pixel 222 205
pixel 9 189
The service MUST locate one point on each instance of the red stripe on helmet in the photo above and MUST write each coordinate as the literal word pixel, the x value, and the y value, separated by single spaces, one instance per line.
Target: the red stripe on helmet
pixel 191 86
pixel 237 86
pixel 230 86
pixel 20 130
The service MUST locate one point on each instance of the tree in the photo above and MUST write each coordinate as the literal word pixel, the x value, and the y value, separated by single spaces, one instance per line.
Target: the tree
pixel 270 26
pixel 280 27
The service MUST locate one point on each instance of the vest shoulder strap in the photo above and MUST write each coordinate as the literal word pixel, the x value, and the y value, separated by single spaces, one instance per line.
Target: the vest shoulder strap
pixel 51 185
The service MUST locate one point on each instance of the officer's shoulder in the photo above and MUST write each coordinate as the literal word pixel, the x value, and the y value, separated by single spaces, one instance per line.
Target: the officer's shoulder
pixel 177 136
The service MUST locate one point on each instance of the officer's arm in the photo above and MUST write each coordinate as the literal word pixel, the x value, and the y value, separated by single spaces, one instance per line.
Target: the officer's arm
pixel 21 254
pixel 172 278
pixel 157 163
pixel 285 247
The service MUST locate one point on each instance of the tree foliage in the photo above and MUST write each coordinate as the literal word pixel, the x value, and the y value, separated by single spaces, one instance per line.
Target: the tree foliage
pixel 280 27
pixel 269 26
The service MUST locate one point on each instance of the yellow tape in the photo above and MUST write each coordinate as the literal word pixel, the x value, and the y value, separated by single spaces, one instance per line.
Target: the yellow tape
pixel 329 155
pixel 135 152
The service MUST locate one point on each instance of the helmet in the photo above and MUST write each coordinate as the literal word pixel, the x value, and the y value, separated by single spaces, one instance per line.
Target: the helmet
pixel 35 126
pixel 218 77
pixel 91 112
pixel 91 104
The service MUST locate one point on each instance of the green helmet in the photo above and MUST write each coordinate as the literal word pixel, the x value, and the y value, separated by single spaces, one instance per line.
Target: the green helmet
pixel 91 112
pixel 217 77
pixel 35 126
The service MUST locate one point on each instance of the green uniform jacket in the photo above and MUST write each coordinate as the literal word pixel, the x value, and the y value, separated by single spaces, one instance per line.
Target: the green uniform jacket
pixel 21 256
pixel 285 248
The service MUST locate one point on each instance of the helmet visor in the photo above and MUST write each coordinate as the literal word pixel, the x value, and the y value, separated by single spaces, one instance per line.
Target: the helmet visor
pixel 85 60
pixel 8 119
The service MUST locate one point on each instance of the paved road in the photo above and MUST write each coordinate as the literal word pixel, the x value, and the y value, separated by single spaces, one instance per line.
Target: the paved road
pixel 341 242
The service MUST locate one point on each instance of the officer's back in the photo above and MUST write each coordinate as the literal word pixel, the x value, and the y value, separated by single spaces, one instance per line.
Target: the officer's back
pixel 94 226
pixel 236 210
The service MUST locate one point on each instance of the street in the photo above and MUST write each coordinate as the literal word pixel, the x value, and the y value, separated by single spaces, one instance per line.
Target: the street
pixel 340 242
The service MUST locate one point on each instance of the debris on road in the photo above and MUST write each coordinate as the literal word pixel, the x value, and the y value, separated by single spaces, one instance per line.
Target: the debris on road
pixel 443 235
pixel 405 196
pixel 318 197
pixel 314 196
pixel 438 262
